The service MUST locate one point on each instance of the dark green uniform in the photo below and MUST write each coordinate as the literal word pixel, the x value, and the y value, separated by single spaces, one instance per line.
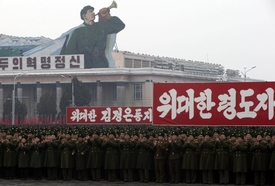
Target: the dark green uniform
pixel 10 161
pixel 174 160
pixel 23 160
pixel 259 162
pixel 125 159
pixel 51 159
pixel 272 160
pixel 160 157
pixel 37 160
pixel 66 163
pixel 144 159
pixel 111 158
pixel 190 161
pixel 222 160
pixel 90 40
pixel 207 160
pixel 240 161
pixel 95 158
pixel 81 149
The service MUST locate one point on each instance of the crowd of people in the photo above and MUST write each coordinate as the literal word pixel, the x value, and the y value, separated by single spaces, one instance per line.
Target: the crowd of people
pixel 144 153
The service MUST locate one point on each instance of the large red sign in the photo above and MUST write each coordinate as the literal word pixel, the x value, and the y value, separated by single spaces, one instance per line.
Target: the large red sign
pixel 107 115
pixel 231 104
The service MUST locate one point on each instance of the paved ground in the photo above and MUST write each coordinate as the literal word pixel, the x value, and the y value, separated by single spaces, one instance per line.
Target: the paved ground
pixel 44 182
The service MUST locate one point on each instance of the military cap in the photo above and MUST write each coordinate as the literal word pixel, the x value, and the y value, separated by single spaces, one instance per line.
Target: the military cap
pixel 161 134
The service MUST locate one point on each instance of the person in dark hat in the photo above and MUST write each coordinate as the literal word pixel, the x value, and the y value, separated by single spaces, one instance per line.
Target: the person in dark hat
pixel 222 146
pixel 111 156
pixel 160 156
pixel 207 158
pixel 51 157
pixel 91 38
pixel 66 150
pixel 9 162
pixel 259 148
pixel 37 161
pixel 190 158
pixel 174 158
pixel 126 146
pixel 239 151
pixel 23 157
pixel 144 158
pixel 81 151
pixel 94 161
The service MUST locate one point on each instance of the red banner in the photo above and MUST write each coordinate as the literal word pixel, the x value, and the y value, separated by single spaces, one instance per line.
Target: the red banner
pixel 112 115
pixel 230 104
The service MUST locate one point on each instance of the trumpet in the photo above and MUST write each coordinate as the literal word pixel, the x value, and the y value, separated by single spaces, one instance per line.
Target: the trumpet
pixel 113 5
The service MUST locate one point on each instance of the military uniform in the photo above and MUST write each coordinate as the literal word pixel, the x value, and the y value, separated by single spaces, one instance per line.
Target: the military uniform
pixel 66 163
pixel 24 160
pixel 190 161
pixel 125 159
pixel 174 160
pixel 159 159
pixel 81 149
pixel 239 152
pixel 90 40
pixel 259 162
pixel 51 159
pixel 9 147
pixel 207 160
pixel 222 160
pixel 37 160
pixel 111 158
pixel 144 159
pixel 95 158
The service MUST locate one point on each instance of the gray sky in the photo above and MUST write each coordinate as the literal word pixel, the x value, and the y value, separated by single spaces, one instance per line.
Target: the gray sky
pixel 234 33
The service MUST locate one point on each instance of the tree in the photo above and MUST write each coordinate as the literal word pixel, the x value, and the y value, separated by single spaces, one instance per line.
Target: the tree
pixel 47 105
pixel 82 95
pixel 20 109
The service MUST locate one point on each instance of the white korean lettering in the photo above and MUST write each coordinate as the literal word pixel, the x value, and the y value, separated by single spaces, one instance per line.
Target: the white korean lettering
pixel 128 116
pixel 166 107
pixel 205 102
pixel 269 95
pixel 148 115
pixel 92 115
pixel 189 103
pixel 117 114
pixel 106 115
pixel 228 104
pixel 138 115
pixel 247 113
pixel 77 115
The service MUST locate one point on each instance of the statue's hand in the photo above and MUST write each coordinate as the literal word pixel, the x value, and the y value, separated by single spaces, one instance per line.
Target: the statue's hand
pixel 105 13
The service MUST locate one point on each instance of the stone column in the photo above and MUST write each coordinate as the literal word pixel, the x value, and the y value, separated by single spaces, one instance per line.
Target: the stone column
pixel 1 101
pixel 58 96
pixel 19 92
pixel 147 93
pixel 38 91
pixel 99 93
pixel 120 88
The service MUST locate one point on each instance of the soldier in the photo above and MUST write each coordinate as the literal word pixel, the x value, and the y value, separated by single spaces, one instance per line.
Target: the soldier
pixel 126 147
pixel 23 157
pixel 259 148
pixel 111 156
pixel 239 149
pixel 66 149
pixel 9 147
pixel 144 158
pixel 222 158
pixel 272 160
pixel 51 156
pixel 95 156
pixel 160 155
pixel 37 160
pixel 207 159
pixel 174 148
pixel 190 159
pixel 81 149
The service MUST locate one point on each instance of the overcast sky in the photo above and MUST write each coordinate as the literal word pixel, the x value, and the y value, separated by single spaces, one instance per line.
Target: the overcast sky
pixel 234 33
